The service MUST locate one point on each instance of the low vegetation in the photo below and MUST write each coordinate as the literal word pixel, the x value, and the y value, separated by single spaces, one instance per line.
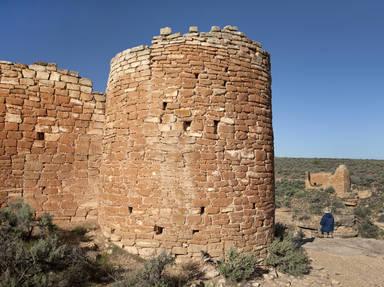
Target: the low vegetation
pixel 365 174
pixel 151 275
pixel 238 266
pixel 292 194
pixel 36 253
pixel 33 254
pixel 286 253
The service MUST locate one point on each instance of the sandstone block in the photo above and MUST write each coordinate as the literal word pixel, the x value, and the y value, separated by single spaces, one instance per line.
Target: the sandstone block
pixel 165 31
pixel 13 118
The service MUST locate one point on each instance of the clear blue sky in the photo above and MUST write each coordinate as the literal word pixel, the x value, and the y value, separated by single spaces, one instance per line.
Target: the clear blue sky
pixel 327 56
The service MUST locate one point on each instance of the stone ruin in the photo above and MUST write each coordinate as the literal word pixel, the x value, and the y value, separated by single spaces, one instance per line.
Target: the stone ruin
pixel 340 181
pixel 176 155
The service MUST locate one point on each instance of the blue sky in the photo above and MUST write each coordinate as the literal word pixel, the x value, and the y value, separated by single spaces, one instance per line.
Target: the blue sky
pixel 327 56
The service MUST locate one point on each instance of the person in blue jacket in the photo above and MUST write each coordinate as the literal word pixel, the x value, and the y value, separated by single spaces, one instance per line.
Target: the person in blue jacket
pixel 327 223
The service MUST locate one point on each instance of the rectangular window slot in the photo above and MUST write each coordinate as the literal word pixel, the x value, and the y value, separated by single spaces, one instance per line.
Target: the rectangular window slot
pixel 253 205
pixel 40 136
pixel 158 229
pixel 226 69
pixel 215 125
pixel 165 105
pixel 130 209
pixel 196 75
pixel 225 83
pixel 194 231
pixel 187 125
pixel 202 210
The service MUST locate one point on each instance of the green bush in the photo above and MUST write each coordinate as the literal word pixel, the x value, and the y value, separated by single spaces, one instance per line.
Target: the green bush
pixel 362 212
pixel 285 190
pixel 151 275
pixel 288 256
pixel 330 190
pixel 237 266
pixel 313 202
pixel 42 260
pixel 381 218
pixel 17 219
pixel 368 230
pixel 280 230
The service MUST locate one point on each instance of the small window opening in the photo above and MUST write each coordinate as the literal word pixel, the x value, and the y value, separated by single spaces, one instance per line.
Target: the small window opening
pixel 40 136
pixel 165 105
pixel 187 125
pixel 196 75
pixel 130 209
pixel 215 125
pixel 194 231
pixel 158 229
pixel 202 210
pixel 225 83
pixel 253 205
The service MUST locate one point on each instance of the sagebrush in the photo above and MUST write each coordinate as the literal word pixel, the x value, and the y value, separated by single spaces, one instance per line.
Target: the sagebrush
pixel 33 255
pixel 287 256
pixel 237 266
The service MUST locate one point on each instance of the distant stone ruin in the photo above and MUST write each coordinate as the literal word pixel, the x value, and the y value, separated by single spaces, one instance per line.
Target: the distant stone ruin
pixel 340 181
pixel 177 155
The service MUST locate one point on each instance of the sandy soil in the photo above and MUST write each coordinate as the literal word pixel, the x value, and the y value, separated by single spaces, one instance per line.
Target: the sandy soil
pixel 353 262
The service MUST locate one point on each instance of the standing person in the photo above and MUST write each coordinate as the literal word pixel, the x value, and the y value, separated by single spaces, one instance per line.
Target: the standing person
pixel 327 223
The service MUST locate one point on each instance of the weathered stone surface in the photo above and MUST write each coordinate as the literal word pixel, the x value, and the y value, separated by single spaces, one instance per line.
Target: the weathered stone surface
pixel 44 131
pixel 178 156
pixel 364 194
pixel 13 118
pixel 180 136
pixel 340 181
pixel 165 31
pixel 193 29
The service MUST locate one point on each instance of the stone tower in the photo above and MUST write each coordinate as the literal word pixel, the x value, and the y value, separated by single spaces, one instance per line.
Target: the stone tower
pixel 188 145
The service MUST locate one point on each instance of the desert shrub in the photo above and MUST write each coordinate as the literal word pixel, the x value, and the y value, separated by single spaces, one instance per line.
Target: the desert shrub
pixel 285 190
pixel 330 190
pixel 45 224
pixel 151 275
pixel 189 271
pixel 17 219
pixel 368 230
pixel 381 218
pixel 287 256
pixel 362 212
pixel 280 230
pixel 237 266
pixel 313 202
pixel 42 260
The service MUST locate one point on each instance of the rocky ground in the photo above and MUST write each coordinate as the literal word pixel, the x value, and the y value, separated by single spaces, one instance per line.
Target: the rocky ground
pixel 349 262
pixel 352 262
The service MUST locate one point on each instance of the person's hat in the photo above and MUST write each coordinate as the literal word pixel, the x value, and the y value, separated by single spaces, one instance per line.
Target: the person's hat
pixel 327 210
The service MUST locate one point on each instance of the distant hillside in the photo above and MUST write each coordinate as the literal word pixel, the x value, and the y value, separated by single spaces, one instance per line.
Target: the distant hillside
pixel 363 172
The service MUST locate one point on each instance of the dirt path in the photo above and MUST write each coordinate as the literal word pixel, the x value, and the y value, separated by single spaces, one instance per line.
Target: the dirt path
pixel 353 262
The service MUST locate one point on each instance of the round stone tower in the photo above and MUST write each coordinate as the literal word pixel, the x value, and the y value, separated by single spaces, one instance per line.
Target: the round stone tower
pixel 188 146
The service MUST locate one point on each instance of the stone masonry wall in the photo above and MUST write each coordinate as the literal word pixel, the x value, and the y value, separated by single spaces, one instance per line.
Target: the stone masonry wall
pixel 188 146
pixel 51 127
pixel 340 181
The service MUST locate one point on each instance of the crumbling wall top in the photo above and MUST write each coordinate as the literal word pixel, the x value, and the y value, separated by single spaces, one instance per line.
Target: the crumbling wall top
pixel 45 72
pixel 217 37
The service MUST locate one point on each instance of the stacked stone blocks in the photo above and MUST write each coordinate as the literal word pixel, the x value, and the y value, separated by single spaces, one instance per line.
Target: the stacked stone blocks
pixel 50 140
pixel 178 156
pixel 188 151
